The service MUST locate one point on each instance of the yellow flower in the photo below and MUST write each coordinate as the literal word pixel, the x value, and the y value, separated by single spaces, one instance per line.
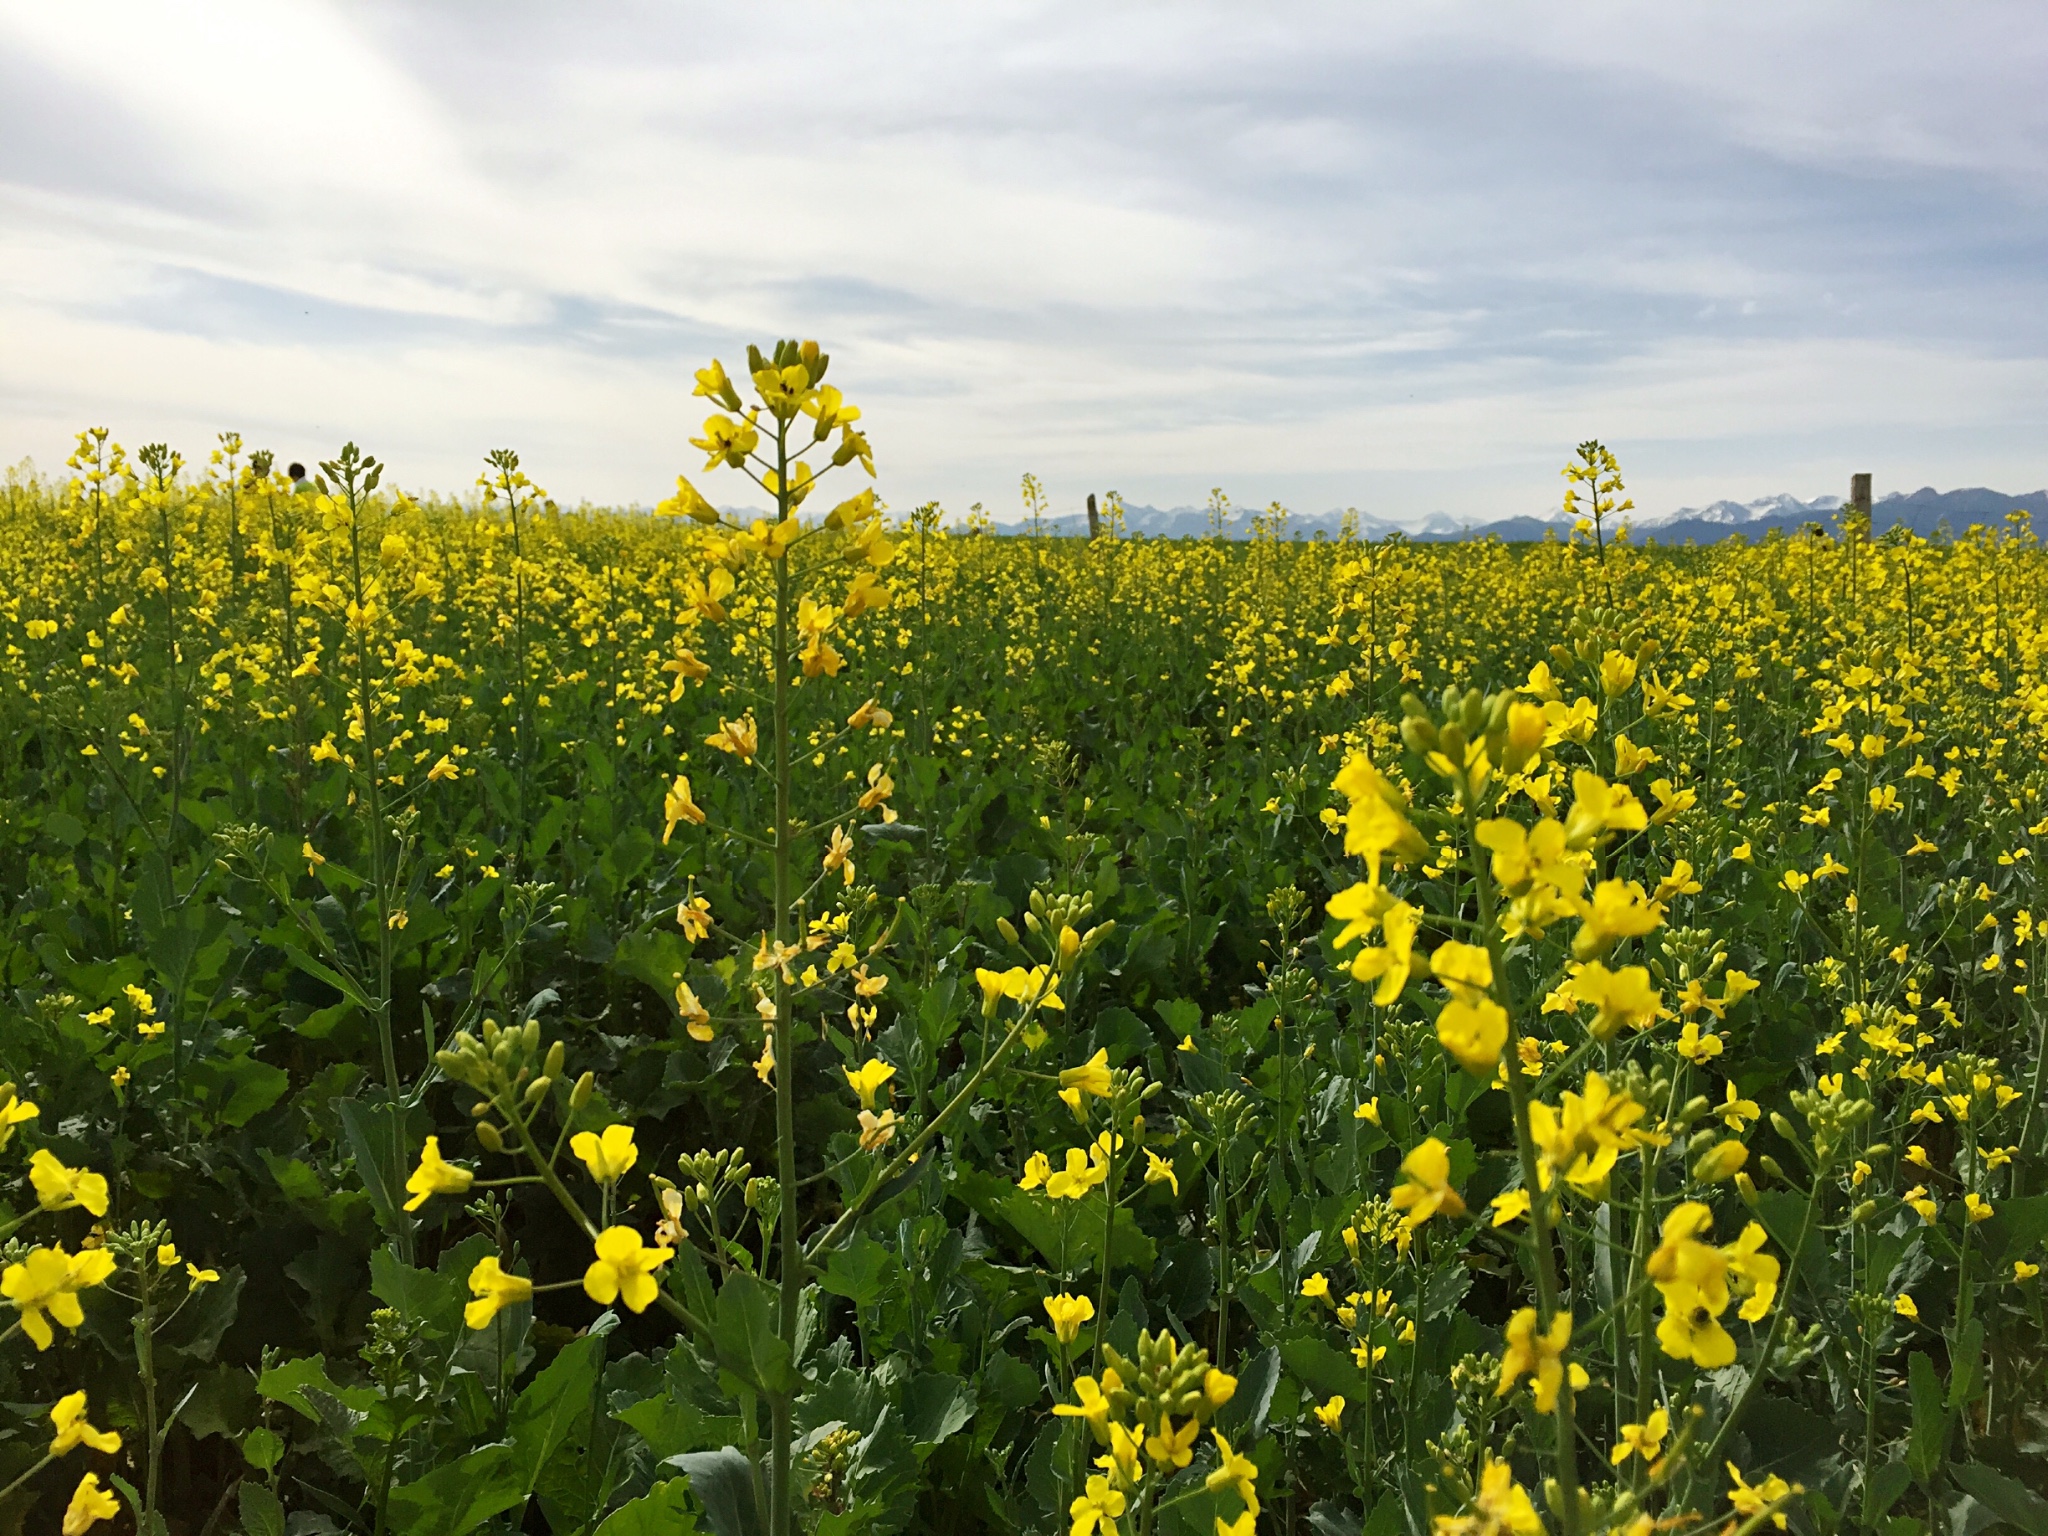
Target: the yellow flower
pixel 877 1131
pixel 1369 1110
pixel 1696 1047
pixel 1630 758
pixel 1719 1162
pixel 1091 1077
pixel 1534 1354
pixel 1509 1206
pixel 695 1016
pixel 727 440
pixel 1233 1471
pixel 1645 1439
pixel 1500 1507
pixel 89 1505
pixel 1976 1207
pixel 609 1157
pixel 694 918
pixel 1391 963
pixel 1691 1327
pixel 1623 997
pixel 1617 674
pixel 1905 1306
pixel 167 1256
pixel 45 1284
pixel 1584 1135
pixel 1093 1404
pixel 2023 1271
pixel 624 1269
pixel 1173 1447
pixel 880 787
pixel 494 1290
pixel 15 1110
pixel 444 769
pixel 1754 1272
pixel 1332 1415
pixel 1618 910
pixel 1736 1111
pixel 1068 1313
pixel 1918 1198
pixel 677 806
pixel 72 1429
pixel 195 1277
pixel 1316 1287
pixel 1748 1501
pixel 1159 1170
pixel 739 737
pixel 435 1177
pixel 1037 1169
pixel 1427 1189
pixel 1600 809
pixel 1376 824
pixel 1360 909
pixel 58 1188
pixel 1098 1507
pixel 1474 1029
pixel 869 1079
pixel 1083 1171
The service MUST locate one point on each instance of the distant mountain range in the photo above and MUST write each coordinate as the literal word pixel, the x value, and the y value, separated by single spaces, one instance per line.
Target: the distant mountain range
pixel 1924 511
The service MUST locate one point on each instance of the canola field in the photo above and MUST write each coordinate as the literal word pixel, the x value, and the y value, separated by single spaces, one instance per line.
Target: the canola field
pixel 570 1021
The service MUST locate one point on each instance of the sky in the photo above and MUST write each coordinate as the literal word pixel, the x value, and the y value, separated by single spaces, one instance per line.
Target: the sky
pixel 1399 257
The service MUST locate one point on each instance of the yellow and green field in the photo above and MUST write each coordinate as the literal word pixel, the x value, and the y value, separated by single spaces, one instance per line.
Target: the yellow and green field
pixel 585 1021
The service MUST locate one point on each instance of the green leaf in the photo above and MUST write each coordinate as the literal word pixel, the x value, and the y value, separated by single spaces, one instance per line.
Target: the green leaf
pixel 1930 1421
pixel 376 1138
pixel 1244 1416
pixel 664 1510
pixel 288 1381
pixel 262 1514
pixel 723 1481
pixel 557 1400
pixel 223 1403
pixel 252 1087
pixel 743 1331
pixel 860 1271
pixel 294 1177
pixel 321 971
pixel 1965 1363
pixel 206 1316
pixel 433 1298
pixel 1323 1370
pixel 262 1449
pixel 2010 1501
pixel 459 1497
pixel 1052 1225
pixel 935 1405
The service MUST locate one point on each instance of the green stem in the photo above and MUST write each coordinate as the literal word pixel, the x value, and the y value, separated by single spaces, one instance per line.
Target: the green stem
pixel 792 1276
pixel 1525 1147
pixel 1712 1458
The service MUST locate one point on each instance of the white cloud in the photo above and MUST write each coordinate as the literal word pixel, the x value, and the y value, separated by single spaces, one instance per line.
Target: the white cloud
pixel 1399 257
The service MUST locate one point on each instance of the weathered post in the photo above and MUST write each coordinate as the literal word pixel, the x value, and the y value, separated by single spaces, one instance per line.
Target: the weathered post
pixel 1095 522
pixel 1859 496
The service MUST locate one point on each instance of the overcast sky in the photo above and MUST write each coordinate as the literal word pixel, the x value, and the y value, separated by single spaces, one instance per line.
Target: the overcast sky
pixel 1393 256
